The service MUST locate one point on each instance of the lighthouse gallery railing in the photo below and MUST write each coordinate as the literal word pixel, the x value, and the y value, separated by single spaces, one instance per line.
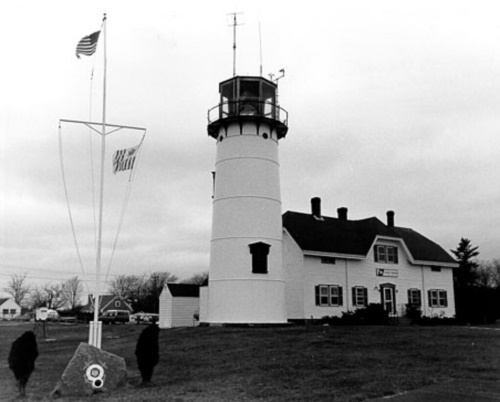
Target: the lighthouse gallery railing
pixel 248 107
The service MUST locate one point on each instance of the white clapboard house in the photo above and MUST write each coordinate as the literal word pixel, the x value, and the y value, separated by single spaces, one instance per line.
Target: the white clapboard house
pixel 334 265
pixel 9 309
pixel 179 305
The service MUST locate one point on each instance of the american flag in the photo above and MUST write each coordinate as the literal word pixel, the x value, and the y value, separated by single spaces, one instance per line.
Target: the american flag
pixel 124 159
pixel 87 45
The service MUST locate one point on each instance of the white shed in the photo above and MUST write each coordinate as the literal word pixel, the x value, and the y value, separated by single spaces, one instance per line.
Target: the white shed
pixel 179 303
pixel 9 309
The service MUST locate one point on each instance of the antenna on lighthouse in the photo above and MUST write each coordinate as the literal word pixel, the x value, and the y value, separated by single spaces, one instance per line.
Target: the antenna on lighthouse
pixel 260 50
pixel 234 24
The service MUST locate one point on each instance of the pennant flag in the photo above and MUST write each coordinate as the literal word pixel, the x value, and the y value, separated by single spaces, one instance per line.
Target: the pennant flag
pixel 124 159
pixel 87 45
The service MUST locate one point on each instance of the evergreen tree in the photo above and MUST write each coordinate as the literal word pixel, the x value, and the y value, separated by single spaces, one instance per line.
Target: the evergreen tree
pixel 466 274
pixel 473 302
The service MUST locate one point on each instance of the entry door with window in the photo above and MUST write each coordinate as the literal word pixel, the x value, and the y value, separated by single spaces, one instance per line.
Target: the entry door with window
pixel 389 298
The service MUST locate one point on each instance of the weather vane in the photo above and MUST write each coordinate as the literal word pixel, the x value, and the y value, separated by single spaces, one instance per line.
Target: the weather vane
pixel 271 76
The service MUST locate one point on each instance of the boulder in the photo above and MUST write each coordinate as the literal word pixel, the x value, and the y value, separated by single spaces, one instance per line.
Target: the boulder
pixel 91 370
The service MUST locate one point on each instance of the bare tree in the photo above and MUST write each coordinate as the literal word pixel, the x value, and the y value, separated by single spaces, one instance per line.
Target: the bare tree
pixel 157 281
pixel 142 292
pixel 37 297
pixel 54 296
pixel 197 279
pixel 153 288
pixel 18 288
pixel 128 287
pixel 47 296
pixel 72 291
pixel 488 273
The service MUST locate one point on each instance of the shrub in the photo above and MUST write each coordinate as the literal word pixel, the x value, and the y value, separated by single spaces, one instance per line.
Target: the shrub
pixel 413 312
pixel 373 314
pixel 436 320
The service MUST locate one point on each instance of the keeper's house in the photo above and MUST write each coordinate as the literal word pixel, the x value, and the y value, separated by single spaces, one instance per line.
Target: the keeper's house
pixel 334 265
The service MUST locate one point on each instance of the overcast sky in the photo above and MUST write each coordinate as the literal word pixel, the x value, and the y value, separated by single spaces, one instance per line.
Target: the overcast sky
pixel 392 106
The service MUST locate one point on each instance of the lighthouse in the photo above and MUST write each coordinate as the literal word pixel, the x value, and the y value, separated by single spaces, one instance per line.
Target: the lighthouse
pixel 246 276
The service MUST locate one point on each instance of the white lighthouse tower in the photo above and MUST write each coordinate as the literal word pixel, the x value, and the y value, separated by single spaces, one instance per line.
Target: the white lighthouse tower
pixel 246 277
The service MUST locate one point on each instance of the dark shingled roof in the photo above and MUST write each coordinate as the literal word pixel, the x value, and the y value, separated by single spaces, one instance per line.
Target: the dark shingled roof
pixel 184 290
pixel 333 235
pixel 421 248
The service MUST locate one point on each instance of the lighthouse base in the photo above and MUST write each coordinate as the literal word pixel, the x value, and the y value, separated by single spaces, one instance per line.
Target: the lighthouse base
pixel 243 303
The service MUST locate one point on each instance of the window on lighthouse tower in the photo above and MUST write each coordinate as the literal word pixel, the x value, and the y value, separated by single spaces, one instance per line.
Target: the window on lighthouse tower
pixel 259 252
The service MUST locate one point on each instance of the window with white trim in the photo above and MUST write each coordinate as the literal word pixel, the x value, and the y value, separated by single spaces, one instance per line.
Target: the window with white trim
pixel 415 297
pixel 386 254
pixel 329 295
pixel 359 296
pixel 438 298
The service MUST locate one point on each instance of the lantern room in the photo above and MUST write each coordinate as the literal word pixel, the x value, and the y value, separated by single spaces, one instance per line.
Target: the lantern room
pixel 248 98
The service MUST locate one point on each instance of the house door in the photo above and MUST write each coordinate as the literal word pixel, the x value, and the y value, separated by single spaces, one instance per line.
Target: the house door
pixel 389 298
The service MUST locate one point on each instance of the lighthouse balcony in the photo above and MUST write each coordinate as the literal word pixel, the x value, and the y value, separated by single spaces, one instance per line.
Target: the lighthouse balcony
pixel 247 110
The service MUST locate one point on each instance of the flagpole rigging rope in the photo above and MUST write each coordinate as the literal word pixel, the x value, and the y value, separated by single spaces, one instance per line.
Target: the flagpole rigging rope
pixel 75 240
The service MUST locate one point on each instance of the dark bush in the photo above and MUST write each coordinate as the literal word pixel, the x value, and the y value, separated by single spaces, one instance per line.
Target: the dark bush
pixel 477 305
pixel 413 312
pixel 436 320
pixel 374 314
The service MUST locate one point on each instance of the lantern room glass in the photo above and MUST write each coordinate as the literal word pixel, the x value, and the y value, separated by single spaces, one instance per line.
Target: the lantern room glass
pixel 247 96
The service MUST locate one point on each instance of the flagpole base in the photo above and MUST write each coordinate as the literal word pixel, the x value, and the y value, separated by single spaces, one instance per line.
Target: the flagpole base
pixel 95 334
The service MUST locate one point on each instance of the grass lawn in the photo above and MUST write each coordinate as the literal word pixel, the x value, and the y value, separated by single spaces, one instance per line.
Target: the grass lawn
pixel 299 363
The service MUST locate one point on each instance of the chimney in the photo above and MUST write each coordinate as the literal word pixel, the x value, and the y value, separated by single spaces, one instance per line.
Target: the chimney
pixel 316 207
pixel 390 219
pixel 342 213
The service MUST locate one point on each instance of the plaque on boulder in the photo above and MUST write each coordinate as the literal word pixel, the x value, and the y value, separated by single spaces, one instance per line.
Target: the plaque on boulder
pixel 91 370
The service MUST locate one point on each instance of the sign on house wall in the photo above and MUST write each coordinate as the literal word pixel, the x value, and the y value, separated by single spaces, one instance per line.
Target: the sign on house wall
pixel 390 273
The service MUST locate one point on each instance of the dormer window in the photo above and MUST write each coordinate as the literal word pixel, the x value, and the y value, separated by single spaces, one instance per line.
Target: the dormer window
pixel 386 254
pixel 260 252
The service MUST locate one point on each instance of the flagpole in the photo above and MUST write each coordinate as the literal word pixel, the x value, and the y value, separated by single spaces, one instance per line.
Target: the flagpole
pixel 96 332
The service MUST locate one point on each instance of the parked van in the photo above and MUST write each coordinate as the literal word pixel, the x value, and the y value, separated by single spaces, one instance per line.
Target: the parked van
pixel 115 317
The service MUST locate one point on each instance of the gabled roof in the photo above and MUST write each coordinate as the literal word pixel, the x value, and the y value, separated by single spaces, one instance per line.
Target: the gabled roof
pixel 355 237
pixel 104 302
pixel 3 300
pixel 183 290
